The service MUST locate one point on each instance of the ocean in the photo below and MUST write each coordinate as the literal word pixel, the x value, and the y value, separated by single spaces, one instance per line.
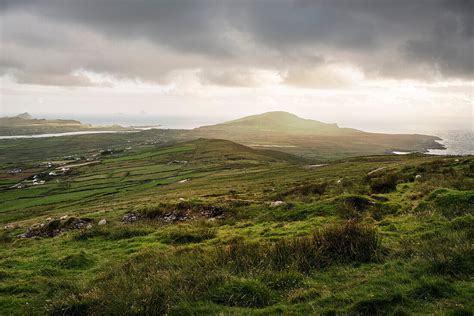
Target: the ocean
pixel 456 143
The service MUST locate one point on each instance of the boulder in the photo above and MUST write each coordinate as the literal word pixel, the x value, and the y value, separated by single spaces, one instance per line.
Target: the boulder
pixel 277 203
pixel 102 222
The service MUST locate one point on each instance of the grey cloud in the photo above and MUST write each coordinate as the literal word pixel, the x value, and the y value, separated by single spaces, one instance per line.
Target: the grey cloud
pixel 153 39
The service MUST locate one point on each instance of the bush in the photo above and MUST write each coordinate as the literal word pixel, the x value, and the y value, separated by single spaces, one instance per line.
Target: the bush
pixel 353 206
pixel 243 293
pixel 350 242
pixel 383 184
pixel 244 255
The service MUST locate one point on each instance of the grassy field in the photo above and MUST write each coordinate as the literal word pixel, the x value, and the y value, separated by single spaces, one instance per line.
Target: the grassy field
pixel 213 227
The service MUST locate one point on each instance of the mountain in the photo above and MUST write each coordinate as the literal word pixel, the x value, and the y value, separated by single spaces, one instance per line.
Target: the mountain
pixel 312 139
pixel 277 122
pixel 25 116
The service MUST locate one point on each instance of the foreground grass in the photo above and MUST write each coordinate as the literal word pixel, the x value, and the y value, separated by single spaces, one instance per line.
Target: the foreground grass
pixel 345 241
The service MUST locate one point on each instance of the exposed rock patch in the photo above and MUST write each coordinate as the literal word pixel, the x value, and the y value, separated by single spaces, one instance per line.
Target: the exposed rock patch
pixel 130 217
pixel 180 212
pixel 55 227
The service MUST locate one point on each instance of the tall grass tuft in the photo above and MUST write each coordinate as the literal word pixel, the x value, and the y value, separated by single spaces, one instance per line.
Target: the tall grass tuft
pixel 350 242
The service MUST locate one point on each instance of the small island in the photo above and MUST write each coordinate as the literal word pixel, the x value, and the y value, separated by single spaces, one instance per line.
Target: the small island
pixel 26 124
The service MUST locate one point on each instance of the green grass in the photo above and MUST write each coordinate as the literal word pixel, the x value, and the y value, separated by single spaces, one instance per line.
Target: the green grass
pixel 336 246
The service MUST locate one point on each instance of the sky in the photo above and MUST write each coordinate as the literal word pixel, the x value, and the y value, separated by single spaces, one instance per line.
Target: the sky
pixel 379 65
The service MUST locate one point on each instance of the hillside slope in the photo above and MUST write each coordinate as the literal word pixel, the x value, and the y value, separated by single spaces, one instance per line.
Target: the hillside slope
pixel 313 139
pixel 210 227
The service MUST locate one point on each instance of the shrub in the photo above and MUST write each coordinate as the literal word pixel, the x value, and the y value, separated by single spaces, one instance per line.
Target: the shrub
pixel 244 255
pixel 353 206
pixel 350 242
pixel 383 184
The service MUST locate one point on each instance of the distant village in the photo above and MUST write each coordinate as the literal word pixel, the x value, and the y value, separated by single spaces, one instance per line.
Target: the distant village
pixel 59 167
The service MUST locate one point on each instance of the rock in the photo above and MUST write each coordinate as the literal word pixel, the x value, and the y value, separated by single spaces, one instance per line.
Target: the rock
pixel 56 227
pixel 418 176
pixel 10 226
pixel 277 203
pixel 89 226
pixel 339 181
pixel 456 160
pixel 49 219
pixel 130 218
pixel 212 211
pixel 63 217
pixel 181 199
pixel 102 222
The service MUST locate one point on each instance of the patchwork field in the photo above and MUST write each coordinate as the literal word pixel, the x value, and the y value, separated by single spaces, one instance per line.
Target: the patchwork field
pixel 213 227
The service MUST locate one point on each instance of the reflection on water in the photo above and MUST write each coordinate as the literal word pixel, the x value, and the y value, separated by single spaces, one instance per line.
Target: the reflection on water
pixel 61 134
pixel 456 143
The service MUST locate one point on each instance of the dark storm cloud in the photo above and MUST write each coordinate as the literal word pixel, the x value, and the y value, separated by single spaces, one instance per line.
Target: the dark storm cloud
pixel 152 39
